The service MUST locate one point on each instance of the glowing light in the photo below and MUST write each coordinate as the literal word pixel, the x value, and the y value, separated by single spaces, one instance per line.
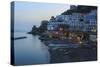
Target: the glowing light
pixel 50 36
pixel 60 29
pixel 80 42
pixel 93 30
pixel 56 32
pixel 70 37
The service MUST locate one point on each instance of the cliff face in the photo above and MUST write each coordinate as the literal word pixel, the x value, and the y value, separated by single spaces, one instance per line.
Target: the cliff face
pixel 39 30
pixel 73 9
pixel 80 9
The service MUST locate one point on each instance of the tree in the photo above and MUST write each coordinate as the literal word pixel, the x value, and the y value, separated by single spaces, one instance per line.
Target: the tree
pixel 43 26
pixel 34 30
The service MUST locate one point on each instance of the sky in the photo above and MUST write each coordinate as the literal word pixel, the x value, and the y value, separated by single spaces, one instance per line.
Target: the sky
pixel 27 14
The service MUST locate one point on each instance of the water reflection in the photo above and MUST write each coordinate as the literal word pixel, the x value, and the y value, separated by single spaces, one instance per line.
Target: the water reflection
pixel 30 50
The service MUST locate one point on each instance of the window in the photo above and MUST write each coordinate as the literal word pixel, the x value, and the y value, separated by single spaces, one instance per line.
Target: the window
pixel 81 19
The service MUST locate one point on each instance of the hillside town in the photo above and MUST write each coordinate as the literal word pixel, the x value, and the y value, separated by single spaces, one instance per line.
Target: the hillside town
pixel 72 34
pixel 77 24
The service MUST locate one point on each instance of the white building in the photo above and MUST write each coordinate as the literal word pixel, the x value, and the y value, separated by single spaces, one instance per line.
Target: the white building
pixel 77 21
pixel 60 18
pixel 54 23
pixel 91 21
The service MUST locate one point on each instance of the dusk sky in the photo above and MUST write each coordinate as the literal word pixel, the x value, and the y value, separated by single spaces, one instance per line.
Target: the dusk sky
pixel 28 14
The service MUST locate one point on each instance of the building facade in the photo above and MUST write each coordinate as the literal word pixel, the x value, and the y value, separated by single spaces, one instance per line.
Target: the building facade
pixel 91 21
pixel 77 21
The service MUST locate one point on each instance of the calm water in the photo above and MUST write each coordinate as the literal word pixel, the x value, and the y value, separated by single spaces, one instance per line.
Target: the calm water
pixel 30 50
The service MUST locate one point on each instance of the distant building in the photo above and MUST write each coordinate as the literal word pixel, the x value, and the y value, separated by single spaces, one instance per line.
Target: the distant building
pixel 54 23
pixel 60 18
pixel 72 7
pixel 51 23
pixel 91 21
pixel 78 20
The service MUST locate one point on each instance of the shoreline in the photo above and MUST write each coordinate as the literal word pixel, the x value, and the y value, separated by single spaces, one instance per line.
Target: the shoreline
pixel 17 38
pixel 73 55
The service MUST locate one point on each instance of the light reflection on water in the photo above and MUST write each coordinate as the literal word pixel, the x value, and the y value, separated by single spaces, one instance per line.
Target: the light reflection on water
pixel 30 50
